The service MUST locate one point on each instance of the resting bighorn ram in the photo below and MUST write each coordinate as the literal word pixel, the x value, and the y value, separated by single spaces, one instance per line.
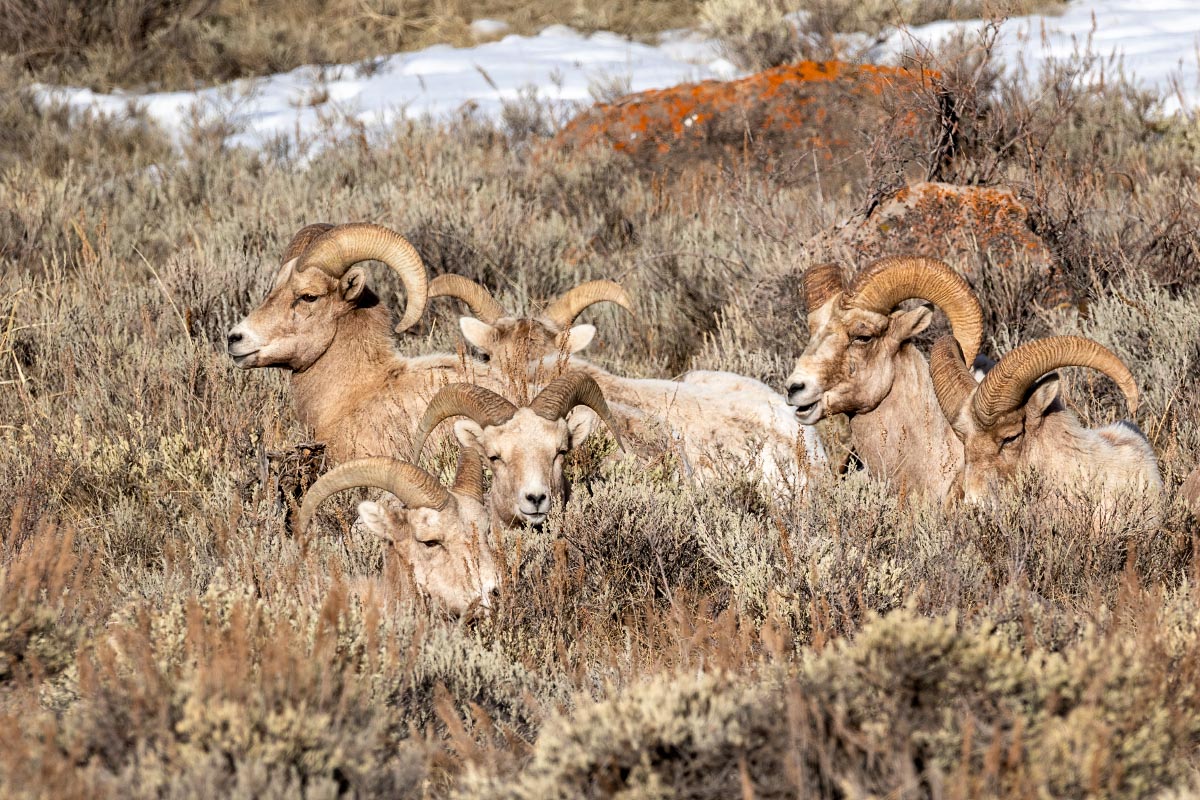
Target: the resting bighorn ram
pixel 860 361
pixel 710 414
pixel 525 447
pixel 322 323
pixel 440 536
pixel 1015 419
pixel 512 340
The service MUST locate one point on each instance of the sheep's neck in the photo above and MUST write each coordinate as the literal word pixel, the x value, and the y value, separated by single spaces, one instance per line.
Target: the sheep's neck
pixel 356 363
pixel 906 438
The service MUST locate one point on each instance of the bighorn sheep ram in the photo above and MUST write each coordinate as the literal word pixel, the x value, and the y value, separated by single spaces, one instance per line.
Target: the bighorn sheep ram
pixel 514 340
pixel 710 414
pixel 1014 419
pixel 440 536
pixel 860 361
pixel 525 447
pixel 322 323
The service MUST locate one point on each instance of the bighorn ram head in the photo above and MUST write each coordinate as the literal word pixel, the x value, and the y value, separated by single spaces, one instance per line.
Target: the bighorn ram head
pixel 1015 418
pixel 524 446
pixel 316 288
pixel 522 339
pixel 441 535
pixel 855 331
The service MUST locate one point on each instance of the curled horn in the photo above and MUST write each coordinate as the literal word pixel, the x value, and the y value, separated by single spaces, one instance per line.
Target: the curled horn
pixel 415 487
pixel 952 379
pixel 468 477
pixel 336 250
pixel 570 390
pixel 821 282
pixel 563 311
pixel 303 238
pixel 479 299
pixel 462 399
pixel 890 281
pixel 1004 388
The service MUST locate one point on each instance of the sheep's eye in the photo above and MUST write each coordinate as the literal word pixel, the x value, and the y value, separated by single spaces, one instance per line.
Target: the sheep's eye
pixel 431 543
pixel 863 338
pixel 494 459
pixel 309 298
pixel 1008 441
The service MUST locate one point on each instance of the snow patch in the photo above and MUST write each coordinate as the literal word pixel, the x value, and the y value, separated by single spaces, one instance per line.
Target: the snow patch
pixel 559 66
pixel 1156 41
pixel 487 28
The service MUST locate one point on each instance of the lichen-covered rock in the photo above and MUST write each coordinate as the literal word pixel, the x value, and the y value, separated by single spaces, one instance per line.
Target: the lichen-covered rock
pixel 789 114
pixel 969 227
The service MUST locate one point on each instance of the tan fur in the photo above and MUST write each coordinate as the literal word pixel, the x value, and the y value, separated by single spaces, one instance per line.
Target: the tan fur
pixel 863 364
pixel 721 422
pixel 446 552
pixel 715 418
pixel 526 456
pixel 349 384
pixel 1108 466
pixel 1190 492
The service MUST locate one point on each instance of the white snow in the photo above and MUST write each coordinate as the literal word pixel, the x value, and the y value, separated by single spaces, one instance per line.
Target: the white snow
pixel 559 66
pixel 1157 41
pixel 485 28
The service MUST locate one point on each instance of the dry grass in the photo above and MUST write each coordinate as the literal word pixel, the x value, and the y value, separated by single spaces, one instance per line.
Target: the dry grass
pixel 162 635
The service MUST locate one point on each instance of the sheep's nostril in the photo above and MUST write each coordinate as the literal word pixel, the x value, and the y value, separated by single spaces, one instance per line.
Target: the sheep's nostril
pixel 495 593
pixel 535 500
pixel 796 388
pixel 234 337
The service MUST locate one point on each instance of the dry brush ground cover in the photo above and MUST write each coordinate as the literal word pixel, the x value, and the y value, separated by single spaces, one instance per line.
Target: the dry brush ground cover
pixel 163 634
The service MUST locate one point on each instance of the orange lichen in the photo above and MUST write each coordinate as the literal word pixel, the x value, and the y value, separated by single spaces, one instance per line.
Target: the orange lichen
pixel 967 226
pixel 773 112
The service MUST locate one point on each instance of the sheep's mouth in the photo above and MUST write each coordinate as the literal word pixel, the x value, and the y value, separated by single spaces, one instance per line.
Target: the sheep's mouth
pixel 808 413
pixel 534 519
pixel 241 359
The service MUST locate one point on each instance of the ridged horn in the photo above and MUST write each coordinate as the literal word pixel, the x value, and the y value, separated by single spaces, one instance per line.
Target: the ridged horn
pixel 952 378
pixel 570 390
pixel 336 250
pixel 822 282
pixel 1003 389
pixel 477 298
pixel 303 238
pixel 415 487
pixel 468 477
pixel 462 399
pixel 563 311
pixel 890 281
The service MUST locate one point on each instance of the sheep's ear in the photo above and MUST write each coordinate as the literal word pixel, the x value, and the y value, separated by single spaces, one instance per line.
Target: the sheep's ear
pixel 581 421
pixel 478 333
pixel 907 324
pixel 377 520
pixel 576 338
pixel 1043 399
pixel 469 435
pixel 353 283
pixel 285 273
